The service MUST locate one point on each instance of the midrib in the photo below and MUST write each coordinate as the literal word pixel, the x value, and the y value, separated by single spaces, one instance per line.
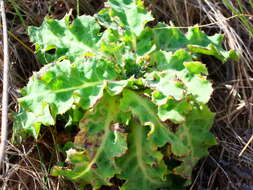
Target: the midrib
pixel 137 138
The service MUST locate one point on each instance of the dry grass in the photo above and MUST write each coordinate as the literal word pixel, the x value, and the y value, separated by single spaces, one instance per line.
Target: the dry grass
pixel 28 165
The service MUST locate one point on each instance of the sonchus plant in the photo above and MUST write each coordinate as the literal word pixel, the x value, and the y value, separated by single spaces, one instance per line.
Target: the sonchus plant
pixel 137 93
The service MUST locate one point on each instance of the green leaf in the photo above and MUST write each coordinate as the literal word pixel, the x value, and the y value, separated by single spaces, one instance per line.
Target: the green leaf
pixel 178 85
pixel 103 140
pixel 75 114
pixel 111 45
pixel 197 37
pixel 143 167
pixel 197 85
pixel 199 42
pixel 116 87
pixel 168 60
pixel 174 111
pixel 196 67
pixel 167 83
pixel 159 134
pixel 58 86
pixel 130 15
pixel 26 123
pixel 145 43
pixel 69 39
pixel 194 133
pixel 217 52
pixel 171 39
pixel 104 18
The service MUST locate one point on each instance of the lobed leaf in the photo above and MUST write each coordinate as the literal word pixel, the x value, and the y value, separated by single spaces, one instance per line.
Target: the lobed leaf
pixel 167 83
pixel 67 39
pixel 102 140
pixel 159 134
pixel 196 67
pixel 170 60
pixel 57 87
pixel 179 85
pixel 174 111
pixel 194 133
pixel 143 166
pixel 27 123
pixel 197 85
pixel 130 15
pixel 169 38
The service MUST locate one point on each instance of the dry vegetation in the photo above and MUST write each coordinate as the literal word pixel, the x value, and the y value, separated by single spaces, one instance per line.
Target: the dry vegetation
pixel 27 166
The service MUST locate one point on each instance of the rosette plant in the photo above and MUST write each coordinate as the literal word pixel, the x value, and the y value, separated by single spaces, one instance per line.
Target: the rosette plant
pixel 138 95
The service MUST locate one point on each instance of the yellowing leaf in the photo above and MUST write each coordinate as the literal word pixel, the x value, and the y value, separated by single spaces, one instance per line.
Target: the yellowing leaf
pixel 102 141
pixel 196 67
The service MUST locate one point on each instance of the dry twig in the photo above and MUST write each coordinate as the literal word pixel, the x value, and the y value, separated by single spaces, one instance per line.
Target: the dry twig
pixel 4 124
pixel 246 146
